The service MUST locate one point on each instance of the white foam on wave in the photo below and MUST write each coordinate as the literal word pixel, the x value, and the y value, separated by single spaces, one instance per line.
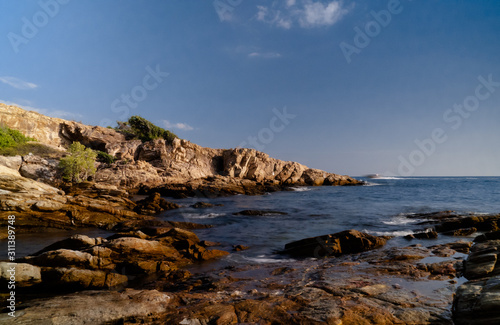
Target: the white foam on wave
pixel 300 189
pixel 203 216
pixel 264 259
pixel 371 184
pixel 400 220
pixel 397 233
pixel 388 177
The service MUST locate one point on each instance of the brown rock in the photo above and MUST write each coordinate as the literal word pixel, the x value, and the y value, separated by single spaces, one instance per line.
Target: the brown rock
pixel 345 242
pixel 78 279
pixel 94 307
pixel 154 204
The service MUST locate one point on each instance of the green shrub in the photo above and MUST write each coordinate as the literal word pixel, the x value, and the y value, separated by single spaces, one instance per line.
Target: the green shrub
pixel 144 130
pixel 105 157
pixel 79 164
pixel 10 138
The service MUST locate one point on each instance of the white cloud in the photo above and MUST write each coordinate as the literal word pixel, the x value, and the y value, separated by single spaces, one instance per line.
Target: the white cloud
pixel 17 83
pixel 179 126
pixel 307 13
pixel 268 55
pixel 318 14
pixel 49 112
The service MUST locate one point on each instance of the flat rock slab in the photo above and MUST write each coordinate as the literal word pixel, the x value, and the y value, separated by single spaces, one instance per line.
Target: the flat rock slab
pixel 92 307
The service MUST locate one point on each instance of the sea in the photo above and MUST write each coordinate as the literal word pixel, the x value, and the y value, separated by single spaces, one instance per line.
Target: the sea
pixel 383 206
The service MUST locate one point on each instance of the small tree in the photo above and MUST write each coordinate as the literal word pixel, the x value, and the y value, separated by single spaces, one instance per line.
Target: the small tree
pixel 79 164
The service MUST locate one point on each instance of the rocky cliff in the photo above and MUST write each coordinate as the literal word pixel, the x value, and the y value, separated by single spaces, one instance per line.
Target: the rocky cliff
pixel 154 163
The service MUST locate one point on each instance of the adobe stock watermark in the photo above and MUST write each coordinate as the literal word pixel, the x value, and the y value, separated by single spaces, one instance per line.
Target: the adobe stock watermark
pixel 30 28
pixel 455 117
pixel 363 37
pixel 137 94
pixel 224 8
pixel 266 135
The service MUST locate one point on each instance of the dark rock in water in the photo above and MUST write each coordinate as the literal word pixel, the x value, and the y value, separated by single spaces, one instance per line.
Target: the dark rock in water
pixel 154 204
pixel 423 235
pixel 494 235
pixel 345 242
pixel 238 248
pixel 483 223
pixel 204 205
pixel 259 213
pixel 461 232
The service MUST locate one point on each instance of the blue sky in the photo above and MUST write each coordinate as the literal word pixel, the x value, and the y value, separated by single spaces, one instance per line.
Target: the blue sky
pixel 351 87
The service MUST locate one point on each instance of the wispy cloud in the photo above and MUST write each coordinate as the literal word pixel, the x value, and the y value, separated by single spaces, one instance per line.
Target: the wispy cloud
pixel 264 55
pixel 45 111
pixel 305 13
pixel 179 126
pixel 17 83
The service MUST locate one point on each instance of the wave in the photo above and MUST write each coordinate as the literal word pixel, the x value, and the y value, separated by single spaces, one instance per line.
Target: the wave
pixel 401 219
pixel 397 233
pixel 388 177
pixel 259 259
pixel 202 216
pixel 371 184
pixel 300 189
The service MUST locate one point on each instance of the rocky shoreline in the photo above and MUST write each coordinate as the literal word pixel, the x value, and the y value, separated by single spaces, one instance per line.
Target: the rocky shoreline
pixel 147 270
pixel 369 280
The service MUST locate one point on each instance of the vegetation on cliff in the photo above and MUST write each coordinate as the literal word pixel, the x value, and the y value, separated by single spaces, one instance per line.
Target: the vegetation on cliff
pixel 79 164
pixel 14 142
pixel 139 127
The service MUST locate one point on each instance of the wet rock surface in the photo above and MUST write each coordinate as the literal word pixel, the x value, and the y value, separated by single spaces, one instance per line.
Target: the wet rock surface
pixel 478 300
pixel 345 242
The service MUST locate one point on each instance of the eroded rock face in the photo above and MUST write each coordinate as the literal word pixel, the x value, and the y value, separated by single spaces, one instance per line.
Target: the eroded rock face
pixel 345 242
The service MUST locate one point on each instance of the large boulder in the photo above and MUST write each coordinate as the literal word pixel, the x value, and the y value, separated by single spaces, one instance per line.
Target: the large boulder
pixel 477 302
pixel 41 169
pixel 25 274
pixel 345 242
pixel 482 260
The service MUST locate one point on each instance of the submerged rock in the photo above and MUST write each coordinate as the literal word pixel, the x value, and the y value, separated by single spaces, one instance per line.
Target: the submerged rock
pixel 345 242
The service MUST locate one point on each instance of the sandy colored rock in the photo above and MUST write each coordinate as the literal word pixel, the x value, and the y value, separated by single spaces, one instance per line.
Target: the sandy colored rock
pixel 93 307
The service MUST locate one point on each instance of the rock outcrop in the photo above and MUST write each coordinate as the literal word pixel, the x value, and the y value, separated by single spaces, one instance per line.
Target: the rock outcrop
pixel 157 162
pixel 81 262
pixel 344 242
pixel 478 300
pixel 94 307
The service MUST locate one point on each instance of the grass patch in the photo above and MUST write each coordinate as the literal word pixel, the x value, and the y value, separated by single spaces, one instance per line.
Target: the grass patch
pixel 36 149
pixel 14 143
